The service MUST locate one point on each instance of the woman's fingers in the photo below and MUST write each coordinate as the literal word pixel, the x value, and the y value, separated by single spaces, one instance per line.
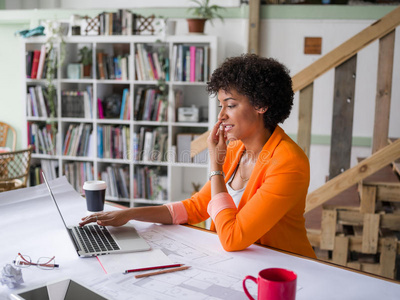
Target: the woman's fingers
pixel 94 218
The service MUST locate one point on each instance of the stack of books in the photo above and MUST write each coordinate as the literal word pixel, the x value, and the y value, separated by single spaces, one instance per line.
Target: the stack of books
pixel 113 142
pixel 77 104
pixel 190 63
pixel 37 102
pixel 112 67
pixel 150 105
pixel 150 183
pixel 35 62
pixel 150 144
pixel 42 137
pixel 117 179
pixel 148 65
pixel 78 140
pixel 123 22
pixel 77 173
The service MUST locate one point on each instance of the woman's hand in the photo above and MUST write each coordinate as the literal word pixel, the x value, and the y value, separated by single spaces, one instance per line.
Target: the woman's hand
pixel 217 146
pixel 110 218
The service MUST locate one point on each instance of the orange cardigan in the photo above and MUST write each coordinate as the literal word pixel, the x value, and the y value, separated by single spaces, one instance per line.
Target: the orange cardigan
pixel 272 206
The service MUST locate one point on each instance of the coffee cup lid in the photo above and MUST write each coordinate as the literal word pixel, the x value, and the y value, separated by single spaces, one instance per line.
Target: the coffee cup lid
pixel 94 185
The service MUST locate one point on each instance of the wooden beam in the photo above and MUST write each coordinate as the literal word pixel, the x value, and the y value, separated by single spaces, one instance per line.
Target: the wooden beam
pixel 383 92
pixel 342 117
pixel 254 27
pixel 328 229
pixel 353 175
pixel 388 258
pixel 370 233
pixel 199 144
pixel 340 250
pixel 367 198
pixel 346 50
pixel 305 118
pixel 354 242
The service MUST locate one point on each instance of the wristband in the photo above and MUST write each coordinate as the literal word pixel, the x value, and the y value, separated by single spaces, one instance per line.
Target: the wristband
pixel 212 173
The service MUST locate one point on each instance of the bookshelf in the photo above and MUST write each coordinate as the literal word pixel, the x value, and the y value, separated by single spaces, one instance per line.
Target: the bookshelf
pixel 117 125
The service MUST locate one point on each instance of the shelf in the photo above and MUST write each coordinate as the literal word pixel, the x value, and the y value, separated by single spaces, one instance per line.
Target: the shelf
pixel 188 124
pixel 83 80
pixel 78 158
pixel 100 137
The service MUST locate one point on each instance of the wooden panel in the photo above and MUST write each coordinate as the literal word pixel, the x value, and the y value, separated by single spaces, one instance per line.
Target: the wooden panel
pixel 254 27
pixel 354 242
pixel 383 92
pixel 347 217
pixel 390 221
pixel 388 192
pixel 346 50
pixel 305 118
pixel 350 177
pixel 388 258
pixel 354 265
pixel 370 233
pixel 371 268
pixel 328 229
pixel 340 250
pixel 368 198
pixel 342 118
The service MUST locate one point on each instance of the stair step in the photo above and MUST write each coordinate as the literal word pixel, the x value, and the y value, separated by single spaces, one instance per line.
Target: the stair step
pixel 350 197
pixel 385 174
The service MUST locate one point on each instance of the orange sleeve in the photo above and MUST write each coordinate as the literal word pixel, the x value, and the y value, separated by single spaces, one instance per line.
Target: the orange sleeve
pixel 282 188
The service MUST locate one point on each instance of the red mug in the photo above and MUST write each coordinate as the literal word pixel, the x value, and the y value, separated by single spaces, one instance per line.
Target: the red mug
pixel 274 284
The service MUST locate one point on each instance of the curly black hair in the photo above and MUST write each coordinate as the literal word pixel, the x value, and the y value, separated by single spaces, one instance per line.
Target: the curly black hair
pixel 265 81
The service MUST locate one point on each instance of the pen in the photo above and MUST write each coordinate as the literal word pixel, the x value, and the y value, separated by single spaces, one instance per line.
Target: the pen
pixel 162 272
pixel 153 268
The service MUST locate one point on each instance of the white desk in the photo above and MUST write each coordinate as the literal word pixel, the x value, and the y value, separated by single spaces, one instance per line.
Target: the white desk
pixel 30 225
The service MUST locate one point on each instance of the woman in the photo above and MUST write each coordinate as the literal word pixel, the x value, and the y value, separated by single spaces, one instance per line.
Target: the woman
pixel 262 197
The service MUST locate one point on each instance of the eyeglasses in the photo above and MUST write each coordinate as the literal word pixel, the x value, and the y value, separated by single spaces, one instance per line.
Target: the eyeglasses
pixel 45 263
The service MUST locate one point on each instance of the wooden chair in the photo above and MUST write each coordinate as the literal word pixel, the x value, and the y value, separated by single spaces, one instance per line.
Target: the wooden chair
pixel 4 130
pixel 14 169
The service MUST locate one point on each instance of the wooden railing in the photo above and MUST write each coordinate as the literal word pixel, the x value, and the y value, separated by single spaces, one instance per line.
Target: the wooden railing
pixel 344 60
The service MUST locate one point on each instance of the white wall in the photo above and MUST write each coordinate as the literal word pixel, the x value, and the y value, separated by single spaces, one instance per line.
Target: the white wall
pixel 282 39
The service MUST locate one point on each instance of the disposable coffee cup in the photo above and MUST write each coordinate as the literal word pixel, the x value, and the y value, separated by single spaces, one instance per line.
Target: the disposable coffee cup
pixel 95 192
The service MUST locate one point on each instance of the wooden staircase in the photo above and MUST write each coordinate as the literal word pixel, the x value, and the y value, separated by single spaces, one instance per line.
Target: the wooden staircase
pixel 360 227
pixel 348 218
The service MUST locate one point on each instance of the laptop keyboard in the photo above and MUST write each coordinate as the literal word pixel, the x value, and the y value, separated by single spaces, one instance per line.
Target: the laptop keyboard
pixel 96 239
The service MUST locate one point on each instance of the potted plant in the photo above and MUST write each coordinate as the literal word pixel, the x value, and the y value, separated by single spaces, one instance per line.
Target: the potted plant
pixel 85 54
pixel 202 12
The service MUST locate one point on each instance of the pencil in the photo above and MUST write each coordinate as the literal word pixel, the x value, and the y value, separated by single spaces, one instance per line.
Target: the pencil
pixel 153 268
pixel 162 272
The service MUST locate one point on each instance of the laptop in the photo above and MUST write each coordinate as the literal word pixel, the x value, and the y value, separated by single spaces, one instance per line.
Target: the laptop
pixel 93 240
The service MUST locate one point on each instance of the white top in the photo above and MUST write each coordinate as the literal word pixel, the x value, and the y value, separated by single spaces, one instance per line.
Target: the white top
pixel 235 194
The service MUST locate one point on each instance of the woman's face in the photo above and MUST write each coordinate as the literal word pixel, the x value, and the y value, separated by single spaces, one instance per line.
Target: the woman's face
pixel 239 118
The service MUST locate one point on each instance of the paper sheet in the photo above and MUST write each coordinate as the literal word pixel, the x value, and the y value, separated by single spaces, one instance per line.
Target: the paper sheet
pixel 118 263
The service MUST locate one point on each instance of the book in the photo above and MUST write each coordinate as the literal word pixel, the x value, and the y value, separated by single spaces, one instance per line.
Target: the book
pixel 124 103
pixel 100 65
pixel 100 109
pixel 35 63
pixel 28 63
pixel 192 64
pixel 43 109
pixel 42 59
pixel 35 106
